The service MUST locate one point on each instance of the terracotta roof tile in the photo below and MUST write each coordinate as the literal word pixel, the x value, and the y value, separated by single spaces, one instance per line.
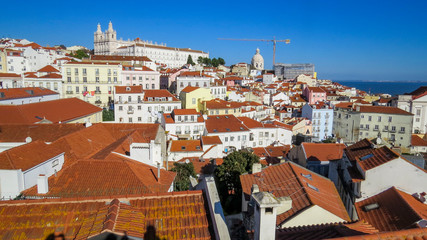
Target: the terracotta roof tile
pixel 54 111
pixel 128 89
pixel 15 93
pixel 48 68
pixel 224 123
pixel 112 176
pixel 186 146
pixel 288 179
pixel 221 104
pixel 9 75
pixel 382 109
pixel 153 93
pixel 410 234
pixel 28 155
pixel 43 132
pixel 189 89
pixel 211 140
pixel 418 141
pixel 173 215
pixel 323 151
pixel 120 58
pixel 396 210
pixel 323 231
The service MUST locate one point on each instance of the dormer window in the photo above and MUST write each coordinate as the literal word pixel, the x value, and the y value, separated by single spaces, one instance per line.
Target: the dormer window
pixel 127 89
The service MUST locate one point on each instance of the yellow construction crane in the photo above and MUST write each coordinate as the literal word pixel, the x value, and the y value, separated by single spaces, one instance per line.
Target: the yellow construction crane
pixel 287 41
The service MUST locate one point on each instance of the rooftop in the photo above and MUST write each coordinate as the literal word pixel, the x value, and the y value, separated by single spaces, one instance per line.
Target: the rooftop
pixel 224 123
pixel 323 152
pixel 383 109
pixel 17 93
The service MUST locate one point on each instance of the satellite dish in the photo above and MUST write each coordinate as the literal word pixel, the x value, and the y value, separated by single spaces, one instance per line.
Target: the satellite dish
pixel 187 161
pixel 28 139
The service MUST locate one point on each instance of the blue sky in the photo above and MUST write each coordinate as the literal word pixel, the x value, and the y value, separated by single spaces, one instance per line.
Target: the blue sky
pixel 346 40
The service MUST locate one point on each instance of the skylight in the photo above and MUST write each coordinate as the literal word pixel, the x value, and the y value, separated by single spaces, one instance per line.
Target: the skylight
pixel 312 187
pixel 308 176
pixel 366 157
pixel 215 130
pixel 227 129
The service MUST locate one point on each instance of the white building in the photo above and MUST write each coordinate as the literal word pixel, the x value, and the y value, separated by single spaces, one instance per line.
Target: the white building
pixel 21 170
pixel 135 105
pixel 144 76
pixel 415 103
pixel 183 124
pixel 233 133
pixel 207 147
pixel 194 79
pixel 16 61
pixel 108 44
pixel 219 91
pixel 10 80
pixel 322 118
pixel 46 77
pixel 19 96
pixel 38 56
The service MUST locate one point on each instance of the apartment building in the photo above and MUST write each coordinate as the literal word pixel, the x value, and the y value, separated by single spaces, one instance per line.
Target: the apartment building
pixel 91 82
pixel 322 117
pixel 183 124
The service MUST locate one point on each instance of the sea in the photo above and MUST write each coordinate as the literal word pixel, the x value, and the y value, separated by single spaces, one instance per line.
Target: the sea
pixel 390 87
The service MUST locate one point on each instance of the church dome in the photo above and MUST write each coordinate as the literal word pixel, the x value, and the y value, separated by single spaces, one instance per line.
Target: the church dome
pixel 257 61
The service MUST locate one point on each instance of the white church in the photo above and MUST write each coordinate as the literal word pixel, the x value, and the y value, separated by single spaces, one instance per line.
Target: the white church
pixel 107 44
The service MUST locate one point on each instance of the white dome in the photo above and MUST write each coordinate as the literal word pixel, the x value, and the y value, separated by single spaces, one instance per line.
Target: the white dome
pixel 257 61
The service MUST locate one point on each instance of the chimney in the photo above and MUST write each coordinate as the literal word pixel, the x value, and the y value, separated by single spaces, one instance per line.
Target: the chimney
pixel 256 168
pixel 158 172
pixel 265 212
pixel 42 184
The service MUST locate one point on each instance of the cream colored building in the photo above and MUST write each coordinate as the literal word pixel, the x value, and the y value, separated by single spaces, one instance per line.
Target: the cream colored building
pixel 91 82
pixel 3 62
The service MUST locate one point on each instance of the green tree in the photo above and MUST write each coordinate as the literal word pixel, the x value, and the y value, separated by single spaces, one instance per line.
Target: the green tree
pixel 183 173
pixel 80 54
pixel 221 61
pixel 228 178
pixel 215 62
pixel 190 60
pixel 207 62
pixel 107 115
pixel 200 60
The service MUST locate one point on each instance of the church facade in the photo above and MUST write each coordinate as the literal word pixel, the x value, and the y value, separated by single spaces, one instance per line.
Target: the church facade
pixel 107 44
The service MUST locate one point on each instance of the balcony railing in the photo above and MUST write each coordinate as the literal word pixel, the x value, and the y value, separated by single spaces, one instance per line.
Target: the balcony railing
pixel 69 92
pixel 130 111
pixel 178 132
pixel 97 92
pixel 98 102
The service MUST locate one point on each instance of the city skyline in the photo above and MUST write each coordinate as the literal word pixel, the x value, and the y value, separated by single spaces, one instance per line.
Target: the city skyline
pixel 345 41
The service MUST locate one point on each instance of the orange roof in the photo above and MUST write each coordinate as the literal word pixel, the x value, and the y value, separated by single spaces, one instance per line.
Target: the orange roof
pixel 112 176
pixel 49 75
pixel 396 211
pixel 61 110
pixel 186 146
pixel 409 234
pixel 382 109
pixel 224 123
pixel 15 93
pixel 185 112
pixel 211 140
pixel 189 89
pixel 303 186
pixel 28 155
pixel 194 74
pixel 323 151
pixel 8 75
pixel 344 105
pixel 221 104
pixel 202 166
pixel 250 123
pixel 325 231
pixel 43 132
pixel 177 215
pixel 128 89
pixel 417 141
pixel 316 89
pixel 48 68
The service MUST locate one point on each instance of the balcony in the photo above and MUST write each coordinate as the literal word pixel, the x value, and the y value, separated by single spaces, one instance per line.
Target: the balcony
pixel 376 129
pixel 97 92
pixel 98 102
pixel 393 130
pixel 130 111
pixel 178 132
pixel 196 132
pixel 69 92
pixel 400 131
pixel 385 130
pixel 187 132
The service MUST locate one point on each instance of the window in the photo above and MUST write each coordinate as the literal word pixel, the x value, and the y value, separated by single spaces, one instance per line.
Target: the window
pixel 231 138
pixel 393 128
pixel 226 139
pixel 109 79
pixel 129 98
pixel 268 210
pixel 69 79
pixel 130 119
pixel 362 116
pixel 147 86
pixel 193 101
pixel 77 79
pixel 97 79
pixel 120 108
pixel 85 79
pixel 139 119
pixel 96 71
pixel 390 119
pixel 379 118
pixel 244 138
pixel 369 118
pixel 417 119
pixel 115 79
pixel 376 127
pixel 77 89
pixel 139 107
pixel 84 71
pixel 76 71
pixel 367 126
pixel 402 129
pixel 153 86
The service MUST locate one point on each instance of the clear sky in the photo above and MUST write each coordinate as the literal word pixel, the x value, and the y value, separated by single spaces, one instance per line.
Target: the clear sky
pixel 346 40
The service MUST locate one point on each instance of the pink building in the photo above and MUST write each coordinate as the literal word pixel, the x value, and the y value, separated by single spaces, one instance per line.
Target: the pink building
pixel 168 77
pixel 314 94
pixel 140 76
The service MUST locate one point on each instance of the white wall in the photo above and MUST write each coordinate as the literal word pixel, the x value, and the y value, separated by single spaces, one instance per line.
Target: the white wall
pixel 11 183
pixel 47 168
pixel 20 101
pixel 398 173
pixel 311 216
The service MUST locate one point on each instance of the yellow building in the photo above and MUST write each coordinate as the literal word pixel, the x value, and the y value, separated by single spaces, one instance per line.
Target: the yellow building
pixel 221 107
pixel 3 63
pixel 371 98
pixel 91 82
pixel 192 97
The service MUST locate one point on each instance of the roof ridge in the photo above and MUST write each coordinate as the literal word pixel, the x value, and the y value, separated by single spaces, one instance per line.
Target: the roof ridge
pixel 112 214
pixel 406 202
